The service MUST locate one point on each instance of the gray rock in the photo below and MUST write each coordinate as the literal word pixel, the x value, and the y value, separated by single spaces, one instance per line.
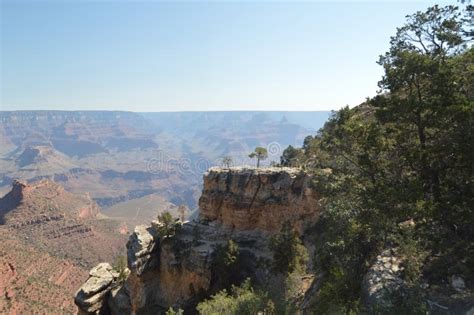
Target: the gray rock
pixel 382 279
pixel 119 301
pixel 92 295
pixel 141 246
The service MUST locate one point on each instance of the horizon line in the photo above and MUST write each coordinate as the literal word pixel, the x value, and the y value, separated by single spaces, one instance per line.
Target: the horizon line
pixel 177 111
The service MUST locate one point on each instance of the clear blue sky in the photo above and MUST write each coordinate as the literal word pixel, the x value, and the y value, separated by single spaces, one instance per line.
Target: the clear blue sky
pixel 164 56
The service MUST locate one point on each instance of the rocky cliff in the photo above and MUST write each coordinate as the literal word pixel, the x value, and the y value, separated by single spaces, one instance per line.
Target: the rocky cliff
pixel 263 199
pixel 243 205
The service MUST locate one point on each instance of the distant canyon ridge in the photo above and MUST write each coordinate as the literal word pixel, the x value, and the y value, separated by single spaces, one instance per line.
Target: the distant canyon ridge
pixel 137 164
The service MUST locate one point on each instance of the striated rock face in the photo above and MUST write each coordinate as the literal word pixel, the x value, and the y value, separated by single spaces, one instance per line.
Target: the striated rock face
pixel 163 273
pixel 263 199
pixel 45 198
pixel 50 240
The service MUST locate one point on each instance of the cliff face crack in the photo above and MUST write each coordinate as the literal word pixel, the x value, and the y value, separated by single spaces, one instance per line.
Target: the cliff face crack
pixel 221 203
pixel 228 182
pixel 256 193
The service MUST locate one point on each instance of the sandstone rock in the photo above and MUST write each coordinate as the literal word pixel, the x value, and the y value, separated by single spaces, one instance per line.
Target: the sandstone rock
pixel 140 247
pixel 263 198
pixel 91 297
pixel 185 267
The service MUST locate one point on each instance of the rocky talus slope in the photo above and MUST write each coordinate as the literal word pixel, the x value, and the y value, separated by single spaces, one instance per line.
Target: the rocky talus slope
pixel 245 205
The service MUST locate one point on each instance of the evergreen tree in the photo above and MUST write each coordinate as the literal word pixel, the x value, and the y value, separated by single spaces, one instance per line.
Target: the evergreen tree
pixel 289 253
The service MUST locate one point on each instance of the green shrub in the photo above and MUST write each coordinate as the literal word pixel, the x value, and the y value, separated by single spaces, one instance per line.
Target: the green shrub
pixel 120 266
pixel 241 300
pixel 225 264
pixel 171 311
pixel 167 225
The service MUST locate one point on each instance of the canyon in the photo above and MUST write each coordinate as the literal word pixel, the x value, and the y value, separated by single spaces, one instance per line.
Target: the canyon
pixel 75 183
pixel 120 158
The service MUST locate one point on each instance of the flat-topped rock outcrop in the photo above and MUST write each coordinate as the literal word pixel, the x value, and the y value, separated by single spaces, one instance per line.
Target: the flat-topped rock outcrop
pixel 245 205
pixel 90 296
pixel 258 198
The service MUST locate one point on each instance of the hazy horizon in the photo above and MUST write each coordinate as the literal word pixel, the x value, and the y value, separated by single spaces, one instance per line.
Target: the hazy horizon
pixel 162 111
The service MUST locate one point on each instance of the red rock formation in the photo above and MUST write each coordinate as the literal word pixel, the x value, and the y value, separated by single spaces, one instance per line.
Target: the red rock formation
pixel 44 199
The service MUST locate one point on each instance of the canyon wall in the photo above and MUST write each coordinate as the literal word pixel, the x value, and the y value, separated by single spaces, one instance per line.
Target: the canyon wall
pixel 244 205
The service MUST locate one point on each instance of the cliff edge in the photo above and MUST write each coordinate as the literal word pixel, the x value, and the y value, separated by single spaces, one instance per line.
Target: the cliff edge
pixel 262 198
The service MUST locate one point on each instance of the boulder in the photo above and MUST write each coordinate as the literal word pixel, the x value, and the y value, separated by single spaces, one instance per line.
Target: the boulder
pixel 91 297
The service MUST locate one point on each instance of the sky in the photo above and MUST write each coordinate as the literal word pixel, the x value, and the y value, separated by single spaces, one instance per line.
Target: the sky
pixel 194 56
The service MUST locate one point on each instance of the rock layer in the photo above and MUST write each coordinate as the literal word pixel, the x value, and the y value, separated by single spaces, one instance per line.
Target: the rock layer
pixel 263 199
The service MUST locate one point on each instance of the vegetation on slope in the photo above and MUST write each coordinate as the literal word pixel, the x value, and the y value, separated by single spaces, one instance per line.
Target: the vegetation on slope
pixel 405 154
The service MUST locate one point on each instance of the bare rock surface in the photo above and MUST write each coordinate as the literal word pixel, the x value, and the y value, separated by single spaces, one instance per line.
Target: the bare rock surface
pixel 140 246
pixel 91 296
pixel 258 198
pixel 382 279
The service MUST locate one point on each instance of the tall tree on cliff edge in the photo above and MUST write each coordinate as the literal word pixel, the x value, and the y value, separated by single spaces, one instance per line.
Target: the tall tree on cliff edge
pixel 426 107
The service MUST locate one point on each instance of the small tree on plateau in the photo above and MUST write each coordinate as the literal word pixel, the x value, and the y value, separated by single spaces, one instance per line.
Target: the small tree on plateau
pixel 260 154
pixel 227 161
